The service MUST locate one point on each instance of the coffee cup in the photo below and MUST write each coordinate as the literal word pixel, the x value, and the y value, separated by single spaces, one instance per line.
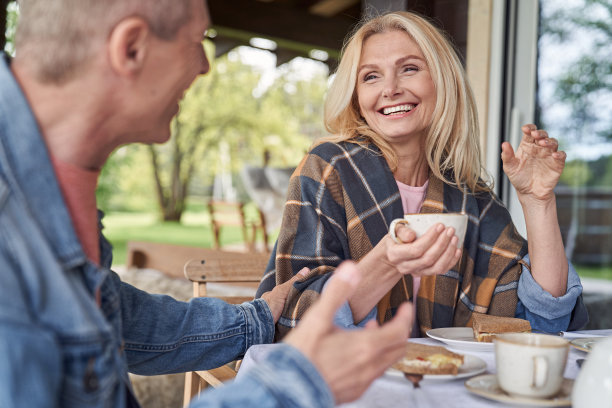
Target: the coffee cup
pixel 593 386
pixel 421 223
pixel 530 364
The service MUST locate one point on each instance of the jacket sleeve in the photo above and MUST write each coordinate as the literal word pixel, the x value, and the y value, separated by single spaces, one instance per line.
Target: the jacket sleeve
pixel 163 335
pixel 284 378
pixel 546 312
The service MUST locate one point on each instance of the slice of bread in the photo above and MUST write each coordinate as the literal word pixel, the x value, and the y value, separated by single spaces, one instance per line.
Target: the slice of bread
pixel 486 326
pixel 424 359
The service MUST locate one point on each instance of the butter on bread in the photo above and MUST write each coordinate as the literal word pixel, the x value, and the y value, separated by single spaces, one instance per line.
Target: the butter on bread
pixel 486 326
pixel 424 359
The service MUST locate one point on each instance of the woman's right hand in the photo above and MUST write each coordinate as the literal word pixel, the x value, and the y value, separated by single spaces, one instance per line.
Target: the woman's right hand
pixel 432 254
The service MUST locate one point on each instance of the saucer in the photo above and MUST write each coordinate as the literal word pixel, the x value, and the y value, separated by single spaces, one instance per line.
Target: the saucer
pixel 585 343
pixel 486 386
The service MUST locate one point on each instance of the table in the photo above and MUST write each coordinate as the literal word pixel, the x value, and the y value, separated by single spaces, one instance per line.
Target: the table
pixel 391 391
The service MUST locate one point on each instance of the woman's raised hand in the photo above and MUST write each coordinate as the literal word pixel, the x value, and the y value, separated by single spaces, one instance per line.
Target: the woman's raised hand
pixel 534 169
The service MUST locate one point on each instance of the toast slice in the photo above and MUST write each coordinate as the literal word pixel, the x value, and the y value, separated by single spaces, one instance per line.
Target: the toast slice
pixel 487 326
pixel 423 359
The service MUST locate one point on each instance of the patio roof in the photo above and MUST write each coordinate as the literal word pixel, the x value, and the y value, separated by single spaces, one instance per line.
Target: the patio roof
pixel 298 27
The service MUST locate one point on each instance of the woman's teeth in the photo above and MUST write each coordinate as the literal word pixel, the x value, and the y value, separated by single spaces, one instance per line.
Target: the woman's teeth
pixel 398 109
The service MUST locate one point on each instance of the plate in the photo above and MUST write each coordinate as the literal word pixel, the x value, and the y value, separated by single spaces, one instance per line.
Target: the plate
pixel 459 338
pixel 471 366
pixel 486 386
pixel 585 343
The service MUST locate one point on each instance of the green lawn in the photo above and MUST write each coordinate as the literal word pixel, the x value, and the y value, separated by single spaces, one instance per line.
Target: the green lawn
pixel 193 230
pixel 602 272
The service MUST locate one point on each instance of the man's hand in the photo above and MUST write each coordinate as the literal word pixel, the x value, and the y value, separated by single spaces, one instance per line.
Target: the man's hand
pixel 276 297
pixel 349 360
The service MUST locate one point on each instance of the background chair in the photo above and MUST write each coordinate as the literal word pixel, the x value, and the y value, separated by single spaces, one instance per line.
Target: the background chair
pixel 230 213
pixel 240 273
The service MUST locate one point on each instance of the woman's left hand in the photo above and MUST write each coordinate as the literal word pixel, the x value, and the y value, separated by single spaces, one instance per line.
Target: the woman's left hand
pixel 535 168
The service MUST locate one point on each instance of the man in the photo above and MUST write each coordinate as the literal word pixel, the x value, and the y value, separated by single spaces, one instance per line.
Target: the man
pixel 88 77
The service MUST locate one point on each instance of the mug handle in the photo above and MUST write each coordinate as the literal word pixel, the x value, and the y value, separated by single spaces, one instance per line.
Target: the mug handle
pixel 393 227
pixel 540 372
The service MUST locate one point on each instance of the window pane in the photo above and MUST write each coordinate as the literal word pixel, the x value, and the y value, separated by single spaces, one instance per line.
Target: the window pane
pixel 575 106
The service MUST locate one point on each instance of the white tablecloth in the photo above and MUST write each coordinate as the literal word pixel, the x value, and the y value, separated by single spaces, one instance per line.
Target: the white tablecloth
pixel 390 391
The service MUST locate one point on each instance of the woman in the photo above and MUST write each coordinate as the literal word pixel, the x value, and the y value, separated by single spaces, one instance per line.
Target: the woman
pixel 405 139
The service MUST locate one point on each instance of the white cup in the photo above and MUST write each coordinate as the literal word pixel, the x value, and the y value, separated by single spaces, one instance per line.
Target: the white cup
pixel 530 364
pixel 593 386
pixel 421 223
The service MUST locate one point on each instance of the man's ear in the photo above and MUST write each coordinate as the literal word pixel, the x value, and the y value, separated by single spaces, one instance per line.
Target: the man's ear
pixel 127 44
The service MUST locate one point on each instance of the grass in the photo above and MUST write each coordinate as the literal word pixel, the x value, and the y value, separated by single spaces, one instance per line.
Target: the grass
pixel 194 230
pixel 596 272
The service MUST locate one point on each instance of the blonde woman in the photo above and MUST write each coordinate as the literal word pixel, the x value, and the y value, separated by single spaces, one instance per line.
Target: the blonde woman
pixel 404 131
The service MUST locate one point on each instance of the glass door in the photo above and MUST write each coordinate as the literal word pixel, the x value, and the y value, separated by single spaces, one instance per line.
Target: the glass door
pixel 574 103
pixel 558 74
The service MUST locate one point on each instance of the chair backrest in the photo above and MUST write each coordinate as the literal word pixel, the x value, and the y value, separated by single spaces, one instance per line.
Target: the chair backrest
pixel 238 270
pixel 233 269
pixel 229 213
pixel 166 258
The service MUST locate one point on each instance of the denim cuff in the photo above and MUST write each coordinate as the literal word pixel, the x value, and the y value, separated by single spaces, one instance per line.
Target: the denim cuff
pixel 259 322
pixel 539 302
pixel 287 365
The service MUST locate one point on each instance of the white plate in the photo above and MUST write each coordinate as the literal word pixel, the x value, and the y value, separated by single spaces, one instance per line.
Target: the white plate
pixel 471 366
pixel 459 338
pixel 486 386
pixel 585 343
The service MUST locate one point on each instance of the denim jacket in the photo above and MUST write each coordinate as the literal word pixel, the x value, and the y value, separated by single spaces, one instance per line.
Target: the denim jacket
pixel 59 345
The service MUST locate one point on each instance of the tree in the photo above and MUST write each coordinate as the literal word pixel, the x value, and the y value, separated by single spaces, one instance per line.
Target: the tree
pixel 3 22
pixel 586 81
pixel 8 23
pixel 577 96
pixel 220 113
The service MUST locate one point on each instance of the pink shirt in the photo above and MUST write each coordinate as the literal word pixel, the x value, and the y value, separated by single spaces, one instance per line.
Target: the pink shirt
pixel 79 190
pixel 412 200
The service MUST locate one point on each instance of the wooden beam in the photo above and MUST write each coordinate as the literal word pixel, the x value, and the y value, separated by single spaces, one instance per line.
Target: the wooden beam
pixel 329 8
pixel 224 45
pixel 478 60
pixel 270 20
pixel 375 7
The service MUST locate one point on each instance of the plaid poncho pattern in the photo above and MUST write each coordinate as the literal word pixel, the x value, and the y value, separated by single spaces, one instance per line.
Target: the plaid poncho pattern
pixel 340 202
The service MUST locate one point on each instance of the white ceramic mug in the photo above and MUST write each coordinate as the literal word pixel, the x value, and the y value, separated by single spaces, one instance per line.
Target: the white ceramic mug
pixel 530 364
pixel 421 223
pixel 593 386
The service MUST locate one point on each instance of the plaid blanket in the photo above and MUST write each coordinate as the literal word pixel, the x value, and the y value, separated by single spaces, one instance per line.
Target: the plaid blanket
pixel 341 200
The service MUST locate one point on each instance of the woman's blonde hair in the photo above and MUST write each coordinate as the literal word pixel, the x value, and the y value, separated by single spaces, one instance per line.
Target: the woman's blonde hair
pixel 451 146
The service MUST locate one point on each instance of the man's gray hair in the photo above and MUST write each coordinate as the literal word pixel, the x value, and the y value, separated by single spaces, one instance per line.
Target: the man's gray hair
pixel 59 36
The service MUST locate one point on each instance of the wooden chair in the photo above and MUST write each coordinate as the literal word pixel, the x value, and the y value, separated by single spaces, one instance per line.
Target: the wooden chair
pixel 166 258
pixel 229 213
pixel 238 269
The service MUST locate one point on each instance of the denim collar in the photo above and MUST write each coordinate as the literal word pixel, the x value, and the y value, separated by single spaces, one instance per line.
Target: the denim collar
pixel 25 163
